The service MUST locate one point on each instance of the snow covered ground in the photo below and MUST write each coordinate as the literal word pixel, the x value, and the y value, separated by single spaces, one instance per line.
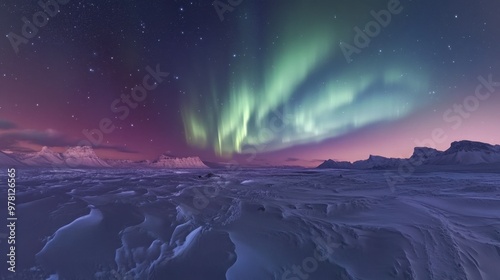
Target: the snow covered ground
pixel 255 224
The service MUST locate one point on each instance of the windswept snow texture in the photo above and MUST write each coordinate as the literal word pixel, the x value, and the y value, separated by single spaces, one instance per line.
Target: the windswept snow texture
pixel 255 224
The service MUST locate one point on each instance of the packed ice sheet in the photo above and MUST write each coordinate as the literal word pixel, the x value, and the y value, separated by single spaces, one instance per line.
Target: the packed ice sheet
pixel 256 224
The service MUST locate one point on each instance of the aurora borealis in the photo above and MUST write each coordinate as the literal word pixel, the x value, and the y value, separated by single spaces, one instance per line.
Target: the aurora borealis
pixel 271 79
pixel 304 83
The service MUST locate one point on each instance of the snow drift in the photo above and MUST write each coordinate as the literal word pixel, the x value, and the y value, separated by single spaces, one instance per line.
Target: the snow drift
pixel 271 224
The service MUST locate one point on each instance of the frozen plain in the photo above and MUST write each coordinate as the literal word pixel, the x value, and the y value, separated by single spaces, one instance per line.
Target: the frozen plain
pixel 256 224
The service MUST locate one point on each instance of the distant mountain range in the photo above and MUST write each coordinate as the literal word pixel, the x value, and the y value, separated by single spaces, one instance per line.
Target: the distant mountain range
pixel 460 153
pixel 72 157
pixel 85 157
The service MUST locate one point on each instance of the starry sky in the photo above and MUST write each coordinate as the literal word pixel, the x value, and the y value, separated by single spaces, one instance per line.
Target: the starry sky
pixel 285 82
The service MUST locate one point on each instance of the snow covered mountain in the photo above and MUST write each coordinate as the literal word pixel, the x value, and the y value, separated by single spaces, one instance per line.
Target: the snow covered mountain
pixel 73 157
pixel 336 164
pixel 45 157
pixel 373 162
pixel 466 153
pixel 460 153
pixel 83 156
pixel 424 154
pixel 9 161
pixel 377 162
pixel 167 161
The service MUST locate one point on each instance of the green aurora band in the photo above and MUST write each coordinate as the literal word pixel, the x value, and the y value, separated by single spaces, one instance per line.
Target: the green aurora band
pixel 301 89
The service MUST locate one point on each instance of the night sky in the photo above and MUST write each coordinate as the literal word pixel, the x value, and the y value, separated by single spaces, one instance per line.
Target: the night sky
pixel 282 82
